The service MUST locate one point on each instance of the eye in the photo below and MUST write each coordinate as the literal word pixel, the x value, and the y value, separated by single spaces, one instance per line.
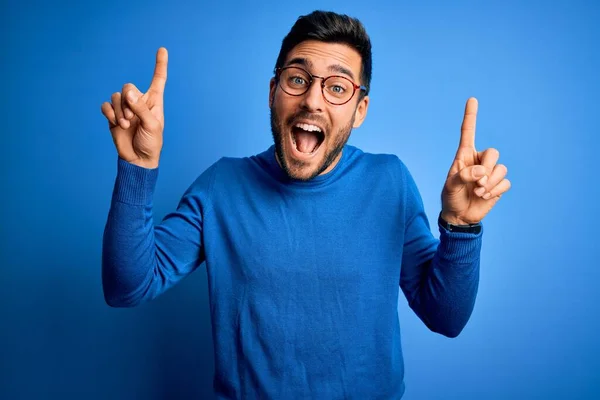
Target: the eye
pixel 297 80
pixel 337 86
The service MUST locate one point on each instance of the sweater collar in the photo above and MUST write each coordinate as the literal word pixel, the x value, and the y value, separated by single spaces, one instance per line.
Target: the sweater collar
pixel 275 170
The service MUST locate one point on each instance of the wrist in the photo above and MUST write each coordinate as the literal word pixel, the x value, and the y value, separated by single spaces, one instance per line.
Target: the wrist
pixel 454 220
pixel 147 164
pixel 453 224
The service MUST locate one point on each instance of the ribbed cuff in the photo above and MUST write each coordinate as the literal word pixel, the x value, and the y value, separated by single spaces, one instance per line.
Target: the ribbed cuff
pixel 458 247
pixel 134 184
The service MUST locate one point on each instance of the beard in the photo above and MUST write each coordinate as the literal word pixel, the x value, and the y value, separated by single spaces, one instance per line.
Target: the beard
pixel 294 169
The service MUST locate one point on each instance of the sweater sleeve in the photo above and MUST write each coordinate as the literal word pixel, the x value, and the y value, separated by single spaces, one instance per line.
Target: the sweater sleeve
pixel 439 278
pixel 141 260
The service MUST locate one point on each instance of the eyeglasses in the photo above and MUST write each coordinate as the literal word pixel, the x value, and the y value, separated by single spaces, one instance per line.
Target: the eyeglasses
pixel 337 90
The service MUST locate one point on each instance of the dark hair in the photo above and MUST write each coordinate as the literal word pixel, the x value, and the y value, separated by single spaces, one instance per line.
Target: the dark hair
pixel 330 27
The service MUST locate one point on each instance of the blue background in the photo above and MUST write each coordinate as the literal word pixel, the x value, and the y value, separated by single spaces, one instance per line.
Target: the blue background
pixel 534 69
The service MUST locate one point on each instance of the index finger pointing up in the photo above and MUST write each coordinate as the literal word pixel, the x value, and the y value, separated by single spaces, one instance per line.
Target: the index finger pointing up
pixel 467 130
pixel 160 72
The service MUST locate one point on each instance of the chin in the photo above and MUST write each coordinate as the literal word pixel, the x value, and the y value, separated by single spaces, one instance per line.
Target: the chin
pixel 303 167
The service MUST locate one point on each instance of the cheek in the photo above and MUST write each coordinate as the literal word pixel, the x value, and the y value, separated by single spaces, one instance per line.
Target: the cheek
pixel 341 121
pixel 284 107
pixel 279 104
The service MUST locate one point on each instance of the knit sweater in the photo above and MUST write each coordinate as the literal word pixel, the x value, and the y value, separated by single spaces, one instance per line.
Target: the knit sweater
pixel 303 276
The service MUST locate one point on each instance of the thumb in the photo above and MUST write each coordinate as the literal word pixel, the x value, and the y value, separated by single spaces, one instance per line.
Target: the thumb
pixel 140 109
pixel 467 175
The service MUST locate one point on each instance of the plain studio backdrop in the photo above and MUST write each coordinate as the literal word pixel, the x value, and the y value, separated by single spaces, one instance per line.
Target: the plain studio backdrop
pixel 534 69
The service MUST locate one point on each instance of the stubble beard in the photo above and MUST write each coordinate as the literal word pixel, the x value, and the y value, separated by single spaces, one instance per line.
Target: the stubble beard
pixel 294 171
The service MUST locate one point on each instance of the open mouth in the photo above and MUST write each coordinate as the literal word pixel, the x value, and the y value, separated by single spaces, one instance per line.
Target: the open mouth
pixel 307 138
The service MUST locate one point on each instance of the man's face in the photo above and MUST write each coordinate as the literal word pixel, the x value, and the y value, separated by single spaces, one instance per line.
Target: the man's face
pixel 309 132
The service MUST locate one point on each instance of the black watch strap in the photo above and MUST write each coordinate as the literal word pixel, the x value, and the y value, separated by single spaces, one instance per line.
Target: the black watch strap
pixel 474 228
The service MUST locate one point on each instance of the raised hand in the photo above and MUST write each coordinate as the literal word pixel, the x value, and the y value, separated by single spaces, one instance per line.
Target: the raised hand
pixel 475 181
pixel 136 120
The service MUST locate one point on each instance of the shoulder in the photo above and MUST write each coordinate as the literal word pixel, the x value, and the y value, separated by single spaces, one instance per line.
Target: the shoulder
pixel 208 183
pixel 230 169
pixel 223 166
pixel 386 169
pixel 379 164
pixel 230 172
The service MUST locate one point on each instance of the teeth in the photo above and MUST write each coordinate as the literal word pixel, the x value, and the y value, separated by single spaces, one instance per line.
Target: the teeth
pixel 307 127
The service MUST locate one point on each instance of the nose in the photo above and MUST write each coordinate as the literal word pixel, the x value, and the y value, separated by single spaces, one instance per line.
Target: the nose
pixel 313 100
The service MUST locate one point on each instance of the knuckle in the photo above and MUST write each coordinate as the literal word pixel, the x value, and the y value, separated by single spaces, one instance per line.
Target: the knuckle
pixel 501 188
pixel 502 169
pixel 154 125
pixel 466 174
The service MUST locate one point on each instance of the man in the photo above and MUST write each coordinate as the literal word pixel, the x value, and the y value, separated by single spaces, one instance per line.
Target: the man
pixel 306 243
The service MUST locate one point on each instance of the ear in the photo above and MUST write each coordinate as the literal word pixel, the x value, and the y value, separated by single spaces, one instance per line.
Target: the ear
pixel 361 112
pixel 272 87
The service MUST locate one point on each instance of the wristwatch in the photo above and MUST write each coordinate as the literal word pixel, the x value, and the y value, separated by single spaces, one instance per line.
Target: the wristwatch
pixel 473 228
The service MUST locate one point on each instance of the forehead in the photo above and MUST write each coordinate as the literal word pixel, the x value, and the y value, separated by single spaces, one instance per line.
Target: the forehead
pixel 321 56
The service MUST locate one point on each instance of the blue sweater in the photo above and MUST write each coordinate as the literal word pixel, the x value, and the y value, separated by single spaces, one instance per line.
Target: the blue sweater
pixel 303 277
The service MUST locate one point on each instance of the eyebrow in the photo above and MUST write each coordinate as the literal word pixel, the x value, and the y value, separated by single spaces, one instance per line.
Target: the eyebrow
pixel 332 68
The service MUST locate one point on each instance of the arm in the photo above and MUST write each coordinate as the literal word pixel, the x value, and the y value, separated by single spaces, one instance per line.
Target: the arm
pixel 439 277
pixel 140 260
pixel 440 281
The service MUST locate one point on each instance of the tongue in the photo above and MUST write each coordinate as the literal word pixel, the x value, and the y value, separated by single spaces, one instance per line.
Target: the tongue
pixel 305 141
